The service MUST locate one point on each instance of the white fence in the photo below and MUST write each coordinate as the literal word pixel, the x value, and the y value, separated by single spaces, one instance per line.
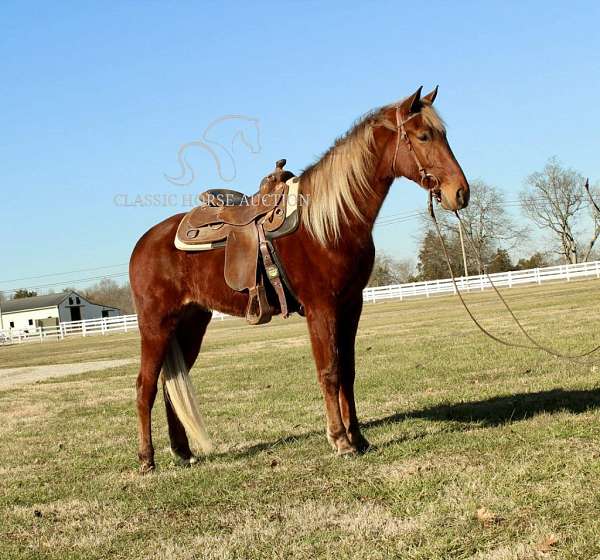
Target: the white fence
pixel 477 283
pixel 126 323
pixel 89 327
pixel 121 323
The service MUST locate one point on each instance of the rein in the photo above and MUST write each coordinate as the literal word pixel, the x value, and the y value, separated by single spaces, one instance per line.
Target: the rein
pixel 535 345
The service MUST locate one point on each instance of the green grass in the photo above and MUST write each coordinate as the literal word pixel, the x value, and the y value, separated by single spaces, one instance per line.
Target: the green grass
pixel 458 423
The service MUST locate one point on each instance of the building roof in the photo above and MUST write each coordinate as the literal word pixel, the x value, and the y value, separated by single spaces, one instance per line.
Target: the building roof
pixel 36 302
pixel 40 302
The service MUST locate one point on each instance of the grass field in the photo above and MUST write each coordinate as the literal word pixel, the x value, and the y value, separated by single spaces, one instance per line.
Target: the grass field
pixel 479 451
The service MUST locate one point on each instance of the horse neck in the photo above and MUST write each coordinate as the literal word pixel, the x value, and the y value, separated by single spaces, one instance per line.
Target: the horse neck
pixel 354 230
pixel 370 205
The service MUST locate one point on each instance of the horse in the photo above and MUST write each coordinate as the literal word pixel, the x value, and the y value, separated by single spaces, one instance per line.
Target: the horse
pixel 175 292
pixel 246 130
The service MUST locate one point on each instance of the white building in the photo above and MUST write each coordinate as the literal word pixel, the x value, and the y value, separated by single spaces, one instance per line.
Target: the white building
pixel 30 313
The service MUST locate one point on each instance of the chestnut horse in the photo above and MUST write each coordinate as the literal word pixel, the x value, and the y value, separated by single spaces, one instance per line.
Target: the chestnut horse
pixel 328 261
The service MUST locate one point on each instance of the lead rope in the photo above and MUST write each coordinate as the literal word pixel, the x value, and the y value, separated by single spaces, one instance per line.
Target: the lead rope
pixel 535 344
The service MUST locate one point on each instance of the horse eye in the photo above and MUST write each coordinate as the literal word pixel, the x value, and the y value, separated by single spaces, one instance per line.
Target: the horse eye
pixel 423 137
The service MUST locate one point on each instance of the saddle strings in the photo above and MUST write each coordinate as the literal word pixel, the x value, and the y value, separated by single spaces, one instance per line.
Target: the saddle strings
pixel 535 345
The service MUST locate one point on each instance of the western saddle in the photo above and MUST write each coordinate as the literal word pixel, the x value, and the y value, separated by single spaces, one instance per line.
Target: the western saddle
pixel 245 225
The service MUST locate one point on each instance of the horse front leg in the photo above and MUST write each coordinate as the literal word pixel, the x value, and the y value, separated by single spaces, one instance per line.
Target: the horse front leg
pixel 325 330
pixel 349 325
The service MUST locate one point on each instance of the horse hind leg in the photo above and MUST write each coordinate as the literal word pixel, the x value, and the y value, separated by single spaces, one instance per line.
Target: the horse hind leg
pixel 153 353
pixel 182 355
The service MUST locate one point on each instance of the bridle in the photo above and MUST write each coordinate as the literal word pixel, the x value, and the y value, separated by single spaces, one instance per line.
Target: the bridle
pixel 428 180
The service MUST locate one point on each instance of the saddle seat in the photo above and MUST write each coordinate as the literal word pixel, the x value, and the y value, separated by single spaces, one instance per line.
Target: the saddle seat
pixel 245 225
pixel 229 197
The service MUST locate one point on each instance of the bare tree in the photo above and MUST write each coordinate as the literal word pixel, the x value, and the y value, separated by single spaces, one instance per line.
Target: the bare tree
pixel 108 292
pixel 595 210
pixel 404 270
pixel 555 199
pixel 387 270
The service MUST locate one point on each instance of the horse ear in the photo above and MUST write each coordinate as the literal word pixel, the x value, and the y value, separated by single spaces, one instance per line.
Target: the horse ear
pixel 430 97
pixel 412 104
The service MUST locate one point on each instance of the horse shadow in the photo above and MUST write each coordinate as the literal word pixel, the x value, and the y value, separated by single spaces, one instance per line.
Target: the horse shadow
pixel 495 411
pixel 504 409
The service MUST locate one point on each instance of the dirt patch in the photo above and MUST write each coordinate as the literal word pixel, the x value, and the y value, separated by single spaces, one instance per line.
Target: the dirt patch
pixel 10 377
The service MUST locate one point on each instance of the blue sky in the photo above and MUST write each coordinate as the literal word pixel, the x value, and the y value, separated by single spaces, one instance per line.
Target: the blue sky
pixel 96 98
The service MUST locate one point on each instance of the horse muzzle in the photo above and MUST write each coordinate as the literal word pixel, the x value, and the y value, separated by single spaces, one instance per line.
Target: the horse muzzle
pixel 457 200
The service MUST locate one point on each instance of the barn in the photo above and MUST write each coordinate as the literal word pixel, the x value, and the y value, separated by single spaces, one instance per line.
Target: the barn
pixel 50 310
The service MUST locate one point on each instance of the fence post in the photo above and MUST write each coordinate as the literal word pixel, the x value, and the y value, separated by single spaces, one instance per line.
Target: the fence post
pixel 597 269
pixel 124 323
pixel 567 272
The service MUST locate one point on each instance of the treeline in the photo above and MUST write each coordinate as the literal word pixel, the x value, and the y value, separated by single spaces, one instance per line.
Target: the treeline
pixel 432 264
pixel 557 202
pixel 108 292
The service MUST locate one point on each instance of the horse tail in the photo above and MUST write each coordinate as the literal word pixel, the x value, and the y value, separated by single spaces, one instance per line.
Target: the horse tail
pixel 180 393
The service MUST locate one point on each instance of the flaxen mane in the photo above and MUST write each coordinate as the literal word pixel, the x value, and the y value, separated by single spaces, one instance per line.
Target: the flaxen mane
pixel 337 183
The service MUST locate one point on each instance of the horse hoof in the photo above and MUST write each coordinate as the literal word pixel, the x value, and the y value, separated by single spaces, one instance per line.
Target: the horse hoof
pixel 147 468
pixel 341 444
pixel 183 461
pixel 361 444
pixel 345 449
pixel 332 442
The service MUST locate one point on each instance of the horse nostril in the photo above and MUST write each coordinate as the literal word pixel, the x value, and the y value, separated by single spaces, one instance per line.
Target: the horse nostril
pixel 462 197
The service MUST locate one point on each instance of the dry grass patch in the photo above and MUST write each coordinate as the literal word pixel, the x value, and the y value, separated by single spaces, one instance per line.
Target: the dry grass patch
pixel 479 451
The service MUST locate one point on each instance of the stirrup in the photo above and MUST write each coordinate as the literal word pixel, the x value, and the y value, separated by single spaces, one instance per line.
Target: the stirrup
pixel 258 311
